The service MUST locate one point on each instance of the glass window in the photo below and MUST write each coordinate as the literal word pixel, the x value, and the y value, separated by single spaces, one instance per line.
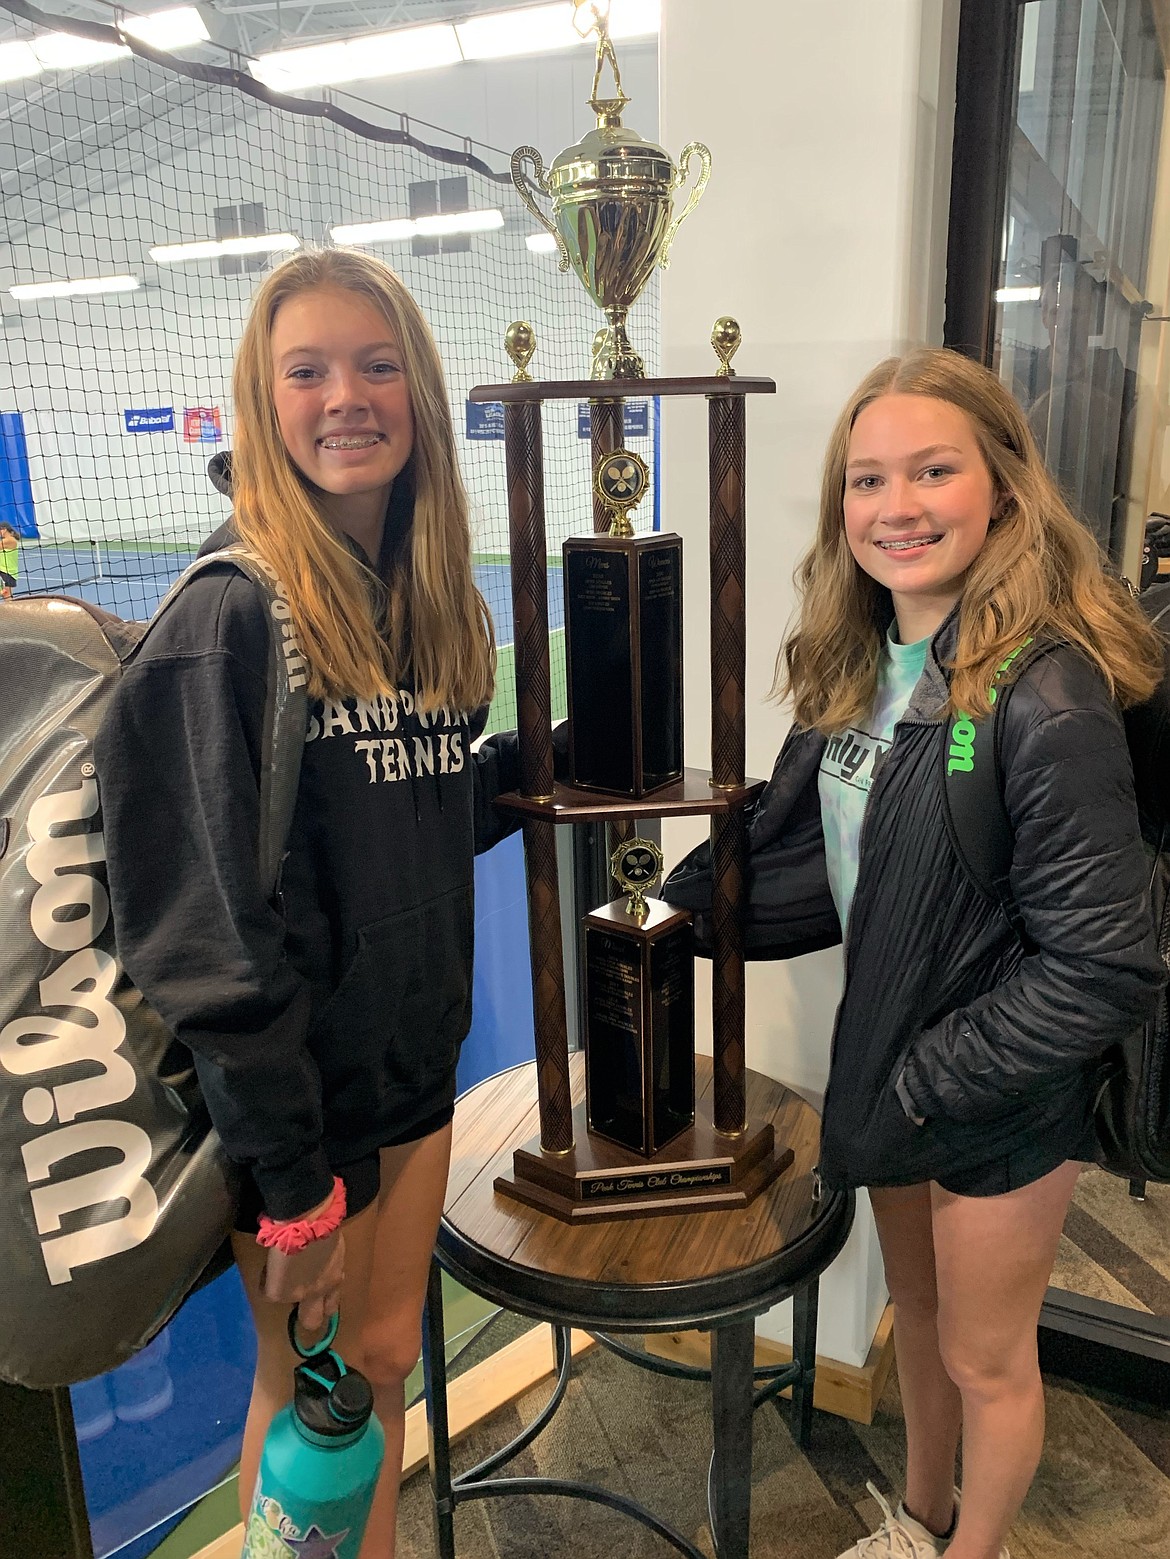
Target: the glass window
pixel 1074 315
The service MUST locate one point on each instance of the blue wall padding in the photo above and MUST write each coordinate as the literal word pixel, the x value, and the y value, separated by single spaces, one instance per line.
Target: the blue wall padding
pixel 16 499
pixel 502 1030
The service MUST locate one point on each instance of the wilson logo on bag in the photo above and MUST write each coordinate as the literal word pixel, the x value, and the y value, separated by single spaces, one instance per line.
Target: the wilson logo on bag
pixel 45 1044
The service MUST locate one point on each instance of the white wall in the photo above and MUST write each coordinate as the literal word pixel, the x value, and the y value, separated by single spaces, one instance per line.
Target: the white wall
pixel 823 231
pixel 96 204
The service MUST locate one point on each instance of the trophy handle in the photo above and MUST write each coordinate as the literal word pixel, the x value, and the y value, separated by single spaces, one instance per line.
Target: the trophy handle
pixel 520 156
pixel 695 149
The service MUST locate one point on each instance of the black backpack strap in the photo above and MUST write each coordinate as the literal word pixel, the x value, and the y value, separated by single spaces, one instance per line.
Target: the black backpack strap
pixel 976 818
pixel 285 707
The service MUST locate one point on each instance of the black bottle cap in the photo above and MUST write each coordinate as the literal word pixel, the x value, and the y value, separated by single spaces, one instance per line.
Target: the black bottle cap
pixel 352 1399
pixel 328 1402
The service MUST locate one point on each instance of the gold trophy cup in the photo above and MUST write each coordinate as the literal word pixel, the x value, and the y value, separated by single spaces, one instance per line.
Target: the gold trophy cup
pixel 612 204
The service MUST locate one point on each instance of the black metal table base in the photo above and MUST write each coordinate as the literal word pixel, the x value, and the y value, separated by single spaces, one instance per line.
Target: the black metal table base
pixel 734 1398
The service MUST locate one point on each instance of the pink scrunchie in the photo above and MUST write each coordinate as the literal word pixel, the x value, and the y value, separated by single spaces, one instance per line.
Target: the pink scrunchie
pixel 295 1233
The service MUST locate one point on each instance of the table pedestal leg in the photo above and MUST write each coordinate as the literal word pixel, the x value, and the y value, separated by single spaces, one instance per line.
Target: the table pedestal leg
pixel 804 1351
pixel 733 1354
pixel 438 1434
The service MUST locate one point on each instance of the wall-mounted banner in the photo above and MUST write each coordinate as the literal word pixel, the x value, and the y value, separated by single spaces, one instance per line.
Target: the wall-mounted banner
pixel 635 420
pixel 202 425
pixel 485 419
pixel 150 419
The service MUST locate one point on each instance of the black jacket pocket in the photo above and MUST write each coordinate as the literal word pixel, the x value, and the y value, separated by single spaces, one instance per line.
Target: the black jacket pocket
pixel 390 1034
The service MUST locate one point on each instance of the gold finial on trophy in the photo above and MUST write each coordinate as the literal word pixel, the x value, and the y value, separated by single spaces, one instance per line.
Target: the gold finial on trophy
pixel 636 866
pixel 620 481
pixel 520 343
pixel 592 16
pixel 725 338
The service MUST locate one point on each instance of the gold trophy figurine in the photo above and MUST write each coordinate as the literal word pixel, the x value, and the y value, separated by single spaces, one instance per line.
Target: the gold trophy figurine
pixel 639 1010
pixel 636 865
pixel 520 343
pixel 612 203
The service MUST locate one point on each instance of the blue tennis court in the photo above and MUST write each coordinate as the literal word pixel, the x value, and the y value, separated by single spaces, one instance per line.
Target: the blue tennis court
pixel 131 583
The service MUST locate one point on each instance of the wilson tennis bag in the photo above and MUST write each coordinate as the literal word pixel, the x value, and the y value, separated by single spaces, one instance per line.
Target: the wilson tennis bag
pixel 1132 1117
pixel 117 1192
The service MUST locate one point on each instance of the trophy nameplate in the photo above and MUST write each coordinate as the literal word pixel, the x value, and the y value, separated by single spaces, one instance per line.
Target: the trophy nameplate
pixel 639 1012
pixel 623 645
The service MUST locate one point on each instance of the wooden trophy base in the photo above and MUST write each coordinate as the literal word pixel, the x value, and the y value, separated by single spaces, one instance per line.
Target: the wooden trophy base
pixel 700 1170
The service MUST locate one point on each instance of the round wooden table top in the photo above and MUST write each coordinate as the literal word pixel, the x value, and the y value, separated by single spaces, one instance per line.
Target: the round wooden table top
pixel 653 1273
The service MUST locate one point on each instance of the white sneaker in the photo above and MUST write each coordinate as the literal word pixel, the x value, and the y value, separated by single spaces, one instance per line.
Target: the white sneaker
pixel 898 1537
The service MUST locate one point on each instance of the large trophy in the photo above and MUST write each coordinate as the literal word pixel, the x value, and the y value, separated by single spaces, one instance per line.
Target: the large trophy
pixel 612 204
pixel 653 1129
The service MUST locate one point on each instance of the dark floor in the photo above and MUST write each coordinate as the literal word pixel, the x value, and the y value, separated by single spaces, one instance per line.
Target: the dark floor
pixel 1103 1489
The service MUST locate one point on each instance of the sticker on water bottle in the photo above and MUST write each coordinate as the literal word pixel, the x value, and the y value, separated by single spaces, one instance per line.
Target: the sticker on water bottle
pixel 273 1535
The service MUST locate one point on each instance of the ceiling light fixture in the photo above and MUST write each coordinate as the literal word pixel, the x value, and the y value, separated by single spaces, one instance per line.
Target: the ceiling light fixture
pixel 17 61
pixel 535 29
pixel 67 51
pixel 459 222
pixel 390 232
pixel 541 243
pixel 66 289
pixel 177 28
pixel 538 29
pixel 212 248
pixel 396 53
pixel 398 229
pixel 1018 295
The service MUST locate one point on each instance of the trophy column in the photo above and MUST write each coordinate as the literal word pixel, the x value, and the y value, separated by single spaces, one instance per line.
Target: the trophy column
pixel 728 671
pixel 524 455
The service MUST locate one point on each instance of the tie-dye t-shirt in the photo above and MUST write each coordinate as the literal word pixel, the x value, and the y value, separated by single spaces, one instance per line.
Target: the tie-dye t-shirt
pixel 852 759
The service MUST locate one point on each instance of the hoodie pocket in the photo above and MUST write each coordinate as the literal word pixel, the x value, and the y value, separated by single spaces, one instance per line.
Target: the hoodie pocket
pixel 392 1029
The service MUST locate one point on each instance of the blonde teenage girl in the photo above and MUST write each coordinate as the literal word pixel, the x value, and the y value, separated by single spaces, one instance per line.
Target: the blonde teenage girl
pixel 966 1055
pixel 325 1024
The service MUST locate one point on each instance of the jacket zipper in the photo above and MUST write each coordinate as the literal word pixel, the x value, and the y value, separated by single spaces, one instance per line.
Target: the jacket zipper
pixel 818 1184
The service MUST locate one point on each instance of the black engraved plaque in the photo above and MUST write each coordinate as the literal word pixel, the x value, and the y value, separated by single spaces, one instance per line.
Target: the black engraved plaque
pixel 623 621
pixel 639 1025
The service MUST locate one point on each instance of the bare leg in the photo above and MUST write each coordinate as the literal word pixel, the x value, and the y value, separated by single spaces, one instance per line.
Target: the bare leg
pixel 994 1257
pixel 387 1257
pixel 275 1361
pixel 414 1181
pixel 930 1399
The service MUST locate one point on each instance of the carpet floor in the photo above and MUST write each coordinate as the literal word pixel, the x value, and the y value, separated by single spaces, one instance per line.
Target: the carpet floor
pixel 1102 1492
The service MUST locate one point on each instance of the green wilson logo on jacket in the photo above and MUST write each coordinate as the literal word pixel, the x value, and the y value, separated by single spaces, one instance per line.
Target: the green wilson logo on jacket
pixel 961 753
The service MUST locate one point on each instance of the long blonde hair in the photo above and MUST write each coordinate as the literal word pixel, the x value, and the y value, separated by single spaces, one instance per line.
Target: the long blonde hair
pixel 361 635
pixel 1040 571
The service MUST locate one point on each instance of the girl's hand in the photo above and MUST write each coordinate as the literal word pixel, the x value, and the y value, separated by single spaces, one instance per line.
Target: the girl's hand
pixel 311 1279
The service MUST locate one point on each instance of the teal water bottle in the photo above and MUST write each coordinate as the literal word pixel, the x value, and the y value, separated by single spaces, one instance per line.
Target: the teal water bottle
pixel 320 1463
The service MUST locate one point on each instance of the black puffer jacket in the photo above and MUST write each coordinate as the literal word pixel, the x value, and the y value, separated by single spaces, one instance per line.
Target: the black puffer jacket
pixel 997 1047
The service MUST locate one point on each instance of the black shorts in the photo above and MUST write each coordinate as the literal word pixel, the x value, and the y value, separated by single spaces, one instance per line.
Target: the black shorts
pixel 997 1176
pixel 362 1178
pixel 7 581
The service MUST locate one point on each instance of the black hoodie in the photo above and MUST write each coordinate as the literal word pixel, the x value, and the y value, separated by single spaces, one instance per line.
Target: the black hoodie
pixel 327 1022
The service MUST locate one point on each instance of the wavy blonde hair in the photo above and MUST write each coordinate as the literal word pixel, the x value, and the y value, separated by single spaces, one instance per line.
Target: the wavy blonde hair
pixel 362 635
pixel 1040 571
